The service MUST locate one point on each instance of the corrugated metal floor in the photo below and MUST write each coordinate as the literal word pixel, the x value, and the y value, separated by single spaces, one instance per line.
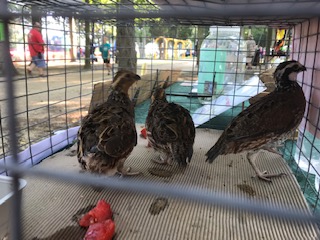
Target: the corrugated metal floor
pixel 51 208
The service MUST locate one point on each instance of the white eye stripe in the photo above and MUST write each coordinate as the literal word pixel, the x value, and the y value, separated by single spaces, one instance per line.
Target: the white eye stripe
pixel 279 72
pixel 119 78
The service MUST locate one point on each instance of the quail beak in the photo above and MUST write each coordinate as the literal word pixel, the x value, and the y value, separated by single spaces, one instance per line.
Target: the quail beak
pixel 303 68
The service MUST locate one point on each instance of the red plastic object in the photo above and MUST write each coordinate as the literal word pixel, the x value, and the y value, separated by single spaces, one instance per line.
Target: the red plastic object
pixel 99 213
pixel 144 133
pixel 101 231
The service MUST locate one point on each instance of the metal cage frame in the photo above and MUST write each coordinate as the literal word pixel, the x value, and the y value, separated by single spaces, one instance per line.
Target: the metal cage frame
pixel 184 12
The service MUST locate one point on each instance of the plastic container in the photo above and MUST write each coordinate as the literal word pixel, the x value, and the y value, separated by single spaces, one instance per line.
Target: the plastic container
pixel 6 194
pixel 222 61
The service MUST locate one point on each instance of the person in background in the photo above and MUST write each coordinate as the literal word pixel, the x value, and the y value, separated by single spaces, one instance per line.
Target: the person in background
pixel 36 48
pixel 81 52
pixel 105 53
pixel 78 52
pixel 93 57
pixel 261 54
pixel 251 48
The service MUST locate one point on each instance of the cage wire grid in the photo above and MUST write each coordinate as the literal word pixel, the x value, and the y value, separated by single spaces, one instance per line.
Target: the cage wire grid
pixel 302 24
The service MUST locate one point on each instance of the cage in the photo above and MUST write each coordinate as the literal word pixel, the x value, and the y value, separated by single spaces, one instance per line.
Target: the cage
pixel 40 117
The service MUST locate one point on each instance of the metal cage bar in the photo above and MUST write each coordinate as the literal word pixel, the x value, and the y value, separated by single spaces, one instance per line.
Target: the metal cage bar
pixel 85 87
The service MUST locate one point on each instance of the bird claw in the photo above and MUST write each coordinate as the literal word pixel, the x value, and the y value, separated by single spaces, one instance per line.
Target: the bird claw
pixel 162 161
pixel 127 172
pixel 272 150
pixel 159 161
pixel 267 177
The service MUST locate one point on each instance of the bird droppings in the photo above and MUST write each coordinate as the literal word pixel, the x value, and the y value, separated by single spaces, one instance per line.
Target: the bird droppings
pixel 196 225
pixel 160 172
pixel 76 217
pixel 72 153
pixel 247 189
pixel 230 163
pixel 158 205
pixel 69 232
pixel 134 231
pixel 206 176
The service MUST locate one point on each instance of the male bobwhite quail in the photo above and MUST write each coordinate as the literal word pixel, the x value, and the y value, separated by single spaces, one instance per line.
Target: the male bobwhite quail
pixel 271 118
pixel 170 129
pixel 108 134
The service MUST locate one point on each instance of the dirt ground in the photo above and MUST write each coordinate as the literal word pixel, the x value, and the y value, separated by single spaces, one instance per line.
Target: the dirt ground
pixel 45 105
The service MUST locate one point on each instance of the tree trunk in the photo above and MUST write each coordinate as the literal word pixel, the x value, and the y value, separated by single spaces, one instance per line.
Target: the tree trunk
pixel 126 53
pixel 5 54
pixel 202 33
pixel 36 14
pixel 144 42
pixel 87 62
pixel 72 47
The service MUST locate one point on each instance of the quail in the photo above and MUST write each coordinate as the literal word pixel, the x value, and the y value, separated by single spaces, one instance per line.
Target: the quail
pixel 108 134
pixel 269 120
pixel 170 129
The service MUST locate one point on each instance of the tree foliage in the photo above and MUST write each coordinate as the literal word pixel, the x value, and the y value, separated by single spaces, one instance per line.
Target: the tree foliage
pixel 259 35
pixel 163 28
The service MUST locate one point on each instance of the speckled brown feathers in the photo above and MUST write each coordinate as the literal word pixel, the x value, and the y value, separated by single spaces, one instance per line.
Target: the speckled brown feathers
pixel 170 129
pixel 258 124
pixel 269 119
pixel 107 135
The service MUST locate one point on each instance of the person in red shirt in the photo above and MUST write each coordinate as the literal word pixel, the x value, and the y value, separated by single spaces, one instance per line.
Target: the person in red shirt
pixel 36 48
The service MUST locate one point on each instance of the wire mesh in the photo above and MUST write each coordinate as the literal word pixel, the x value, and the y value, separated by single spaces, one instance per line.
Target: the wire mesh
pixel 35 110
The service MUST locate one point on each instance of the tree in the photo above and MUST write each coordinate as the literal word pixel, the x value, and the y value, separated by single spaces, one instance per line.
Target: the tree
pixel 87 62
pixel 142 34
pixel 162 28
pixel 259 35
pixel 35 14
pixel 5 54
pixel 202 33
pixel 126 53
pixel 181 32
pixel 158 29
pixel 71 28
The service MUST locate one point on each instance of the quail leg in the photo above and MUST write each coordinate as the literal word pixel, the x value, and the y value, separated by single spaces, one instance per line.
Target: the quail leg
pixel 269 149
pixel 262 175
pixel 125 172
pixel 163 160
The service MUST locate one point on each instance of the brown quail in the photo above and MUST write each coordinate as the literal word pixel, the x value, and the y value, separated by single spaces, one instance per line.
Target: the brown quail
pixel 268 120
pixel 108 134
pixel 170 129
